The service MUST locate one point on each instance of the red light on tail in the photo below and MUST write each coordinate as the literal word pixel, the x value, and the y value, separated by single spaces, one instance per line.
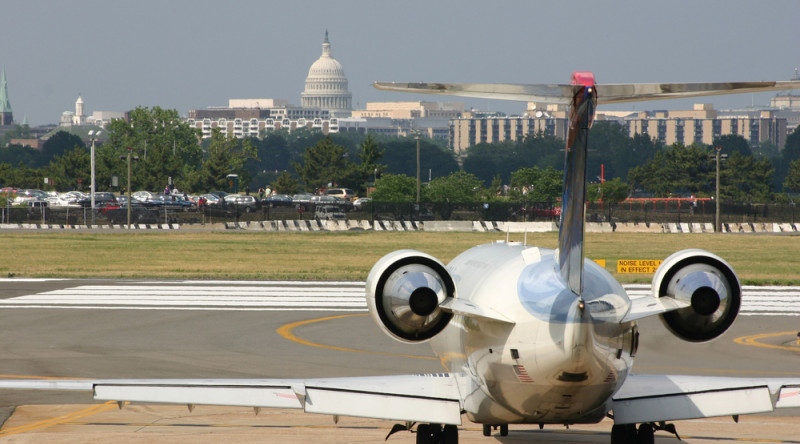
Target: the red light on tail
pixel 585 78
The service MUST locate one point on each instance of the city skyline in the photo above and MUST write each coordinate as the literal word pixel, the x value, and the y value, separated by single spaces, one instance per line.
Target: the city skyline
pixel 191 55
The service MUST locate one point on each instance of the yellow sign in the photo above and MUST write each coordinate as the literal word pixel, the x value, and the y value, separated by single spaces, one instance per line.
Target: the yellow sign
pixel 638 266
pixel 601 262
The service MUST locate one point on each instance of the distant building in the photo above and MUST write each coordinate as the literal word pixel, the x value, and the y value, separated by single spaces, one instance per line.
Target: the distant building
pixel 326 85
pixel 249 117
pixel 412 110
pixel 427 127
pixel 98 118
pixel 474 128
pixel 703 124
pixel 6 115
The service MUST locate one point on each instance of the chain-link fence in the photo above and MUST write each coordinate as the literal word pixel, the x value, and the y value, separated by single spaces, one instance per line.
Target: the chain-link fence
pixel 639 212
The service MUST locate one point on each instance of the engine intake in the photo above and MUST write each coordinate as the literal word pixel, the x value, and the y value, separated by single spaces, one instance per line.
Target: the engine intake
pixel 708 285
pixel 404 290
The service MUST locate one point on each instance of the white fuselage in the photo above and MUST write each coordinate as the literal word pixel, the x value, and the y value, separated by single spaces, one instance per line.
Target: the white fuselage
pixel 563 357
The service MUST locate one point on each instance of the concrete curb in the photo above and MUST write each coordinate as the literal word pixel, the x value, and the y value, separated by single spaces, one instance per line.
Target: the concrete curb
pixel 432 226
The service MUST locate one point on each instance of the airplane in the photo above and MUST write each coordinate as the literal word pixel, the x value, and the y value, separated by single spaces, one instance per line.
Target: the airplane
pixel 526 335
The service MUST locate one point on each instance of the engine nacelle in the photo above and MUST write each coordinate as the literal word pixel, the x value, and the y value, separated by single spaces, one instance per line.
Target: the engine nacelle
pixel 710 287
pixel 404 290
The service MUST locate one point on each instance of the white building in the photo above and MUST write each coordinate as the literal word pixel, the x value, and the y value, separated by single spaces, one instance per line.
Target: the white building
pixel 326 85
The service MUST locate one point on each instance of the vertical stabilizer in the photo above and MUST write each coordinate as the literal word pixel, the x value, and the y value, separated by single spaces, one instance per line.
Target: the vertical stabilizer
pixel 571 231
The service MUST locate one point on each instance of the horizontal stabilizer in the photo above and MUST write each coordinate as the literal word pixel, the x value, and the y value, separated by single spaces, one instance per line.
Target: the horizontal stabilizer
pixel 606 94
pixel 654 398
pixel 647 306
pixel 471 310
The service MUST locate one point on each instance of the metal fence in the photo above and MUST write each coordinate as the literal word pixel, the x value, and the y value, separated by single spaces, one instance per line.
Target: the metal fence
pixel 658 212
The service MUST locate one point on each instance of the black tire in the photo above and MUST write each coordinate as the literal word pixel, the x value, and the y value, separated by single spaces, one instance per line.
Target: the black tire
pixel 504 430
pixel 487 430
pixel 623 434
pixel 646 434
pixel 449 434
pixel 424 435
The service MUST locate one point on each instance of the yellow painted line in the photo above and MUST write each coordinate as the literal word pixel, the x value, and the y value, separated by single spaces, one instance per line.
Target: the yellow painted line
pixel 286 332
pixel 60 419
pixel 753 340
pixel 36 377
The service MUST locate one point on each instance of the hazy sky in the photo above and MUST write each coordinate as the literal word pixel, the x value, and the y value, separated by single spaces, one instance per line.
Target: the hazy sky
pixel 193 54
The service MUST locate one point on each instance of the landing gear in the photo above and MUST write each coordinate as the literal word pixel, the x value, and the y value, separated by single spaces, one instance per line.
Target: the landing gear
pixel 623 434
pixel 627 433
pixel 436 434
pixel 487 429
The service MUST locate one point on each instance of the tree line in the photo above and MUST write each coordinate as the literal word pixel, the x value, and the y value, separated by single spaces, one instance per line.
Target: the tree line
pixel 169 151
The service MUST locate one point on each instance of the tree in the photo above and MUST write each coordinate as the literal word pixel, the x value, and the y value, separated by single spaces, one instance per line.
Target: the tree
pixel 370 154
pixel 744 179
pixel 57 145
pixel 400 157
pixel 285 184
pixel 67 169
pixel 226 155
pixel 679 168
pixel 166 145
pixel 395 188
pixel 536 185
pixel 324 163
pixel 792 181
pixel 458 187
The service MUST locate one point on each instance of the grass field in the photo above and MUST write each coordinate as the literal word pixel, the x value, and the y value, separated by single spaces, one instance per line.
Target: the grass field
pixel 759 259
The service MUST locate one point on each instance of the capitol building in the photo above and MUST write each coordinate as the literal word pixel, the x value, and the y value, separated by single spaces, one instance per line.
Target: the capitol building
pixel 326 85
pixel 325 100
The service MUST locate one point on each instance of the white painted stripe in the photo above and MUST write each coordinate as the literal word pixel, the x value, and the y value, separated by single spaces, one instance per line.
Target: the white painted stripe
pixel 300 295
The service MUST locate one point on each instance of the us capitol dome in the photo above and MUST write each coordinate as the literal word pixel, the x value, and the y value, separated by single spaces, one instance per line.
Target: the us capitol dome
pixel 326 85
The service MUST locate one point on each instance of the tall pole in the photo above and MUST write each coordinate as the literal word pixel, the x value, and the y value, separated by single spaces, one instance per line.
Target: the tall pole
pixel 92 189
pixel 717 227
pixel 130 148
pixel 416 136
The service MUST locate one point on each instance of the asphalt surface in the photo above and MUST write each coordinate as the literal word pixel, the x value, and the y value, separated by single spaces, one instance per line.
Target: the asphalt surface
pixel 116 338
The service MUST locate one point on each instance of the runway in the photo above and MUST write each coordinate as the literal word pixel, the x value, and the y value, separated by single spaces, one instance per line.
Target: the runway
pixel 294 296
pixel 223 329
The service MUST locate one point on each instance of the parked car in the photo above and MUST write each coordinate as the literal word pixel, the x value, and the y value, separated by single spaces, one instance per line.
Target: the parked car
pixel 278 200
pixel 329 212
pixel 100 200
pixel 341 193
pixel 361 202
pixel 212 199
pixel 302 198
pixel 169 201
pixel 242 203
pixel 142 196
pixel 25 196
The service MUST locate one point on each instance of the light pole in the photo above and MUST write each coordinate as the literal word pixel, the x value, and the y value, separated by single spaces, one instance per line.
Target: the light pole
pixel 93 136
pixel 129 157
pixel 718 157
pixel 417 137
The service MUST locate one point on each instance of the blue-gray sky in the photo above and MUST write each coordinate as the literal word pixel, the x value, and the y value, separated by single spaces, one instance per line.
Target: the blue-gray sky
pixel 176 54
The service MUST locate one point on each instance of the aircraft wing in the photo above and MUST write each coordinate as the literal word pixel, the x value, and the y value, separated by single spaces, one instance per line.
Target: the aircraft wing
pixel 606 94
pixel 653 398
pixel 417 398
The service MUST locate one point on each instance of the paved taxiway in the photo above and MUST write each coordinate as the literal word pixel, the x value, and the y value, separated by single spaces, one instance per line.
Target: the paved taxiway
pixel 98 336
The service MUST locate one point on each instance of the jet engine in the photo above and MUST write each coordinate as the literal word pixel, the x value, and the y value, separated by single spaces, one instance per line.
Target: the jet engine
pixel 708 285
pixel 404 290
